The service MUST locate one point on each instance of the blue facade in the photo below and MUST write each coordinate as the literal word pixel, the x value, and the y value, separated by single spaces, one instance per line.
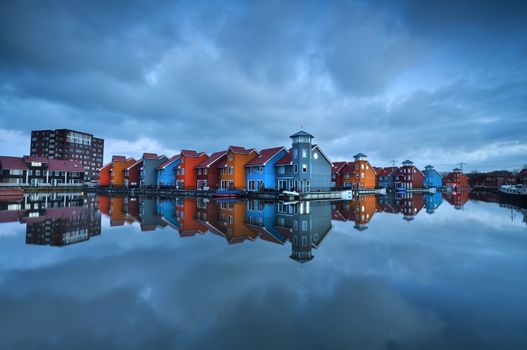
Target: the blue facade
pixel 167 175
pixel 432 178
pixel 260 177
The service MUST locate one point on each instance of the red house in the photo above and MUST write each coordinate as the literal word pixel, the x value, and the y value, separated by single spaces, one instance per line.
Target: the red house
pixel 337 177
pixel 186 176
pixel 105 175
pixel 455 180
pixel 522 177
pixel 132 174
pixel 408 176
pixel 207 174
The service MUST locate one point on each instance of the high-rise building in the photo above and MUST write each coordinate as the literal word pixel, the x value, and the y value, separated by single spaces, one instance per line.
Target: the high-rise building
pixel 65 144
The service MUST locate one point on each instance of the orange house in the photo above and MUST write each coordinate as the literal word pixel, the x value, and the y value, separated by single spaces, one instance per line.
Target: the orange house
pixel 117 172
pixel 105 175
pixel 233 175
pixel 359 173
pixel 186 170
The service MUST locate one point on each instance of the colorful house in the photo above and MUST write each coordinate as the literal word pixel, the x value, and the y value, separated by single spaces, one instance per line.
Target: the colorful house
pixel 386 177
pixel 207 173
pixel 261 172
pixel 105 177
pixel 305 167
pixel 337 177
pixel 359 174
pixel 455 180
pixel 432 178
pixel 232 173
pixel 166 172
pixel 120 163
pixel 151 162
pixel 186 169
pixel 132 174
pixel 408 177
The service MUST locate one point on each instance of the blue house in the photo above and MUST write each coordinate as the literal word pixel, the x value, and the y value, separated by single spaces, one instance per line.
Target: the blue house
pixel 432 178
pixel 386 179
pixel 148 173
pixel 261 173
pixel 166 172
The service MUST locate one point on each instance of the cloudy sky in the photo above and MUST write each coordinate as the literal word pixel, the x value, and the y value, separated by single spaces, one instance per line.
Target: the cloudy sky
pixel 434 82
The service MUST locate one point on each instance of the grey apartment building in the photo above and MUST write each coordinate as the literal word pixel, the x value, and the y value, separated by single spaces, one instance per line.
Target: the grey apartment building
pixel 65 144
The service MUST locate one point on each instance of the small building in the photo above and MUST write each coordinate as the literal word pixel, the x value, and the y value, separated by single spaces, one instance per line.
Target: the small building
pixel 119 164
pixel 40 171
pixel 151 162
pixel 359 174
pixel 409 177
pixel 166 172
pixel 132 174
pixel 522 177
pixel 186 169
pixel 337 177
pixel 105 175
pixel 305 168
pixel 207 173
pixel 432 178
pixel 386 177
pixel 233 174
pixel 261 172
pixel 455 180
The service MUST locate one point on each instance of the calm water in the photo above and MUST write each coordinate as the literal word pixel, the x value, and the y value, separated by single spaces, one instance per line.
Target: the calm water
pixel 417 272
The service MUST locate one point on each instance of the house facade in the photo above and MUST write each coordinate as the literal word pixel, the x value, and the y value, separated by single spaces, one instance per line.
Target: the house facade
pixel 359 174
pixel 207 173
pixel 40 171
pixel 232 173
pixel 305 168
pixel 455 180
pixel 337 177
pixel 148 172
pixel 132 174
pixel 186 169
pixel 386 177
pixel 105 175
pixel 409 177
pixel 522 177
pixel 432 178
pixel 261 172
pixel 119 164
pixel 166 172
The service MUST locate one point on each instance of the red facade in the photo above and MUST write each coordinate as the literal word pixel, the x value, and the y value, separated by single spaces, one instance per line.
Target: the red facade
pixel 207 174
pixel 408 176
pixel 132 174
pixel 337 176
pixel 456 180
pixel 105 175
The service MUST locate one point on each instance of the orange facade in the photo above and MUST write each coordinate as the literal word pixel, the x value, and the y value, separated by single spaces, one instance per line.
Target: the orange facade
pixel 186 170
pixel 359 174
pixel 117 172
pixel 105 176
pixel 233 175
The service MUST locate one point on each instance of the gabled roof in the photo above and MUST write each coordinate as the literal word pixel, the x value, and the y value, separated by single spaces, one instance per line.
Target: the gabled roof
pixel 241 150
pixel 150 156
pixel 118 159
pixel 285 160
pixel 360 155
pixel 388 171
pixel 302 133
pixel 65 165
pixel 137 163
pixel 348 168
pixel 264 156
pixel 337 167
pixel 168 162
pixel 214 157
pixel 190 153
pixel 377 170
pixel 109 165
pixel 321 151
pixel 35 159
pixel 12 163
pixel 222 164
pixel 523 173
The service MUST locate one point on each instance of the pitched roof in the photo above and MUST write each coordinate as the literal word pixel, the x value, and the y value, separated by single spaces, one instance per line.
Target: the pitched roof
pixel 321 151
pixel 214 157
pixel 12 163
pixel 223 163
pixel 118 159
pixel 349 168
pixel 149 155
pixel 388 171
pixel 337 167
pixel 285 160
pixel 168 162
pixel 35 159
pixel 523 173
pixel 137 163
pixel 65 165
pixel 190 153
pixel 109 165
pixel 360 155
pixel 377 170
pixel 241 150
pixel 302 133
pixel 264 156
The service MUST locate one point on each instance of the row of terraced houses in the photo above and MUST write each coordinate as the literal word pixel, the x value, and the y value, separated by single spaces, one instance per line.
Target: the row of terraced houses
pixel 303 167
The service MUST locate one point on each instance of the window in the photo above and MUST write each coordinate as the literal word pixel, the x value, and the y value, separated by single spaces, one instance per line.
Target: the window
pixel 304 153
pixel 304 168
pixel 295 153
pixel 231 157
pixel 182 160
pixel 295 168
pixel 183 171
pixel 281 170
pixel 362 166
pixel 206 171
pixel 199 171
pixel 356 166
pixel 260 170
pixel 231 170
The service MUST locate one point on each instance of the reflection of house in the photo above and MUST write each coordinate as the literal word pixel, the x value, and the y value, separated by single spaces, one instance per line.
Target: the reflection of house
pixel 260 217
pixel 386 204
pixel 408 176
pixel 117 214
pixel 433 201
pixel 261 172
pixel 186 211
pixel 364 207
pixel 409 203
pixel 150 220
pixel 432 178
pixel 456 199
pixel 455 180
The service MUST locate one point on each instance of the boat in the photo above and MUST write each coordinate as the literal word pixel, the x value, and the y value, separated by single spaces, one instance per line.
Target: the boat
pixel 227 194
pixel 514 194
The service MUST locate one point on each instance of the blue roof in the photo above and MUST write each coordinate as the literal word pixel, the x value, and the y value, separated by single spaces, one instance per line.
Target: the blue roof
pixel 360 155
pixel 302 133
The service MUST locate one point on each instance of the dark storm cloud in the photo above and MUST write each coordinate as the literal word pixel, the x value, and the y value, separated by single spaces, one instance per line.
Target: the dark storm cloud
pixel 422 75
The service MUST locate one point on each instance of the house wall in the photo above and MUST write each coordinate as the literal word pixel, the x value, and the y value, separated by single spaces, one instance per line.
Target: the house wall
pixel 237 161
pixel 189 164
pixel 149 177
pixel 432 179
pixel 105 178
pixel 320 173
pixel 269 172
pixel 167 176
pixel 117 176
pixel 364 167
